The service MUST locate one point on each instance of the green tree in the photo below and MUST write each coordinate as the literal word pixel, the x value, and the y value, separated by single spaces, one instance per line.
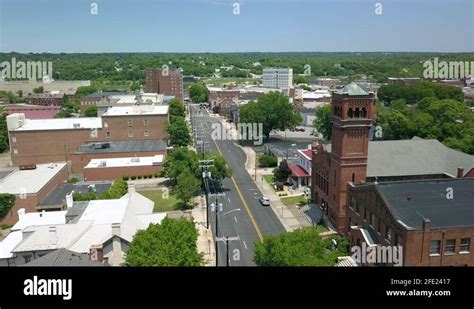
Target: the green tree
pixel 178 161
pixel 302 247
pixel 171 243
pixel 282 172
pixel 90 111
pixel 187 186
pixel 176 108
pixel 395 125
pixel 220 170
pixel 84 91
pixel 118 189
pixel 273 110
pixel 178 132
pixel 38 89
pixel 4 142
pixel 7 201
pixel 322 123
pixel 197 93
pixel 135 87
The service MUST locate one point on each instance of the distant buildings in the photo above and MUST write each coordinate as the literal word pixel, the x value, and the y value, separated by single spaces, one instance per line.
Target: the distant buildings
pixel 165 81
pixel 331 83
pixel 281 78
pixel 68 87
pixel 55 98
pixel 403 80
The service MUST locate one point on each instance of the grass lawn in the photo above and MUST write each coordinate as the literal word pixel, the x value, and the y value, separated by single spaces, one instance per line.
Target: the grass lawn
pixel 293 200
pixel 269 179
pixel 161 204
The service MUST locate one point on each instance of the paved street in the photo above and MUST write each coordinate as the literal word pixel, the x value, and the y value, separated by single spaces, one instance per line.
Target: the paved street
pixel 253 221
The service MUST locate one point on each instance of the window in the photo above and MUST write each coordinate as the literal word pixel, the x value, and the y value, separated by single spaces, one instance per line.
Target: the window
pixel 15 150
pixel 388 233
pixel 108 134
pixel 106 125
pixel 145 122
pixel 27 258
pixel 450 246
pixel 146 133
pixel 130 133
pixel 13 139
pixel 130 122
pixel 353 177
pixel 435 247
pixel 465 245
pixel 372 220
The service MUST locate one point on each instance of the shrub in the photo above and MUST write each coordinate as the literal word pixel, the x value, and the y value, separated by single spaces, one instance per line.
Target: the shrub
pixel 7 201
pixel 139 176
pixel 150 176
pixel 4 226
pixel 125 178
pixel 133 177
pixel 73 180
pixel 145 176
pixel 267 161
pixel 156 175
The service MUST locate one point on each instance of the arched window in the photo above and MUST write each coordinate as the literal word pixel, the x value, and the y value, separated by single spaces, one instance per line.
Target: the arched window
pixel 350 113
pixel 364 112
pixel 357 113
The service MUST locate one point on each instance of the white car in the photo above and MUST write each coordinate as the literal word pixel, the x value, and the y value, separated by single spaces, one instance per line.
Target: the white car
pixel 265 201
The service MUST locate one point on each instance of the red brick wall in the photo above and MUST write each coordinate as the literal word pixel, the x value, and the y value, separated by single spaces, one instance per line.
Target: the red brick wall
pixel 32 200
pixel 118 127
pixel 112 173
pixel 80 160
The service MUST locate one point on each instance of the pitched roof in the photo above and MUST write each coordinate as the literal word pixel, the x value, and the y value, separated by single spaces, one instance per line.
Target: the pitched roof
pixel 410 202
pixel 298 170
pixel 64 257
pixel 352 89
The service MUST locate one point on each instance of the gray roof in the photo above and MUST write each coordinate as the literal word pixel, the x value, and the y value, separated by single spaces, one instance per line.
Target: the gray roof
pixel 413 201
pixel 75 212
pixel 414 157
pixel 58 195
pixel 64 257
pixel 125 146
pixel 352 89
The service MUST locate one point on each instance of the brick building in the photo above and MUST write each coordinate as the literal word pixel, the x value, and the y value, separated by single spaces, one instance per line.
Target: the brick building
pixel 432 228
pixel 52 140
pixel 352 157
pixel 168 82
pixel 116 168
pixel 33 111
pixel 115 149
pixel 53 98
pixel 29 193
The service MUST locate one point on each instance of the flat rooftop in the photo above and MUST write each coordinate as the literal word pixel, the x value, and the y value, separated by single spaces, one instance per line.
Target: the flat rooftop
pixel 125 146
pixel 125 162
pixel 413 201
pixel 61 124
pixel 30 181
pixel 136 110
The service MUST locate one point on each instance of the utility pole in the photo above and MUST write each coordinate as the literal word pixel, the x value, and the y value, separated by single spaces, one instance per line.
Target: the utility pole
pixel 217 207
pixel 227 240
pixel 204 165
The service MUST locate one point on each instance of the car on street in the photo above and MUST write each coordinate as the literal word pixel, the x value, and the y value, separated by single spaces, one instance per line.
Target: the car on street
pixel 265 201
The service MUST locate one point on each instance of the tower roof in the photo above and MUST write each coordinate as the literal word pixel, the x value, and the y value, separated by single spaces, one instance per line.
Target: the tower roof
pixel 352 89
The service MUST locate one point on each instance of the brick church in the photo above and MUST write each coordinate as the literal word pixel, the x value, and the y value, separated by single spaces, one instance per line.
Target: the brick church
pixel 346 161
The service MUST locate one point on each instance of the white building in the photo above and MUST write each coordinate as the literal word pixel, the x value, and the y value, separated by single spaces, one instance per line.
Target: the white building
pixel 281 78
pixel 103 228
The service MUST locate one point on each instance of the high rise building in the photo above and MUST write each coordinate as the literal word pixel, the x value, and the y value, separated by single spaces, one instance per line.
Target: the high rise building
pixel 165 81
pixel 281 78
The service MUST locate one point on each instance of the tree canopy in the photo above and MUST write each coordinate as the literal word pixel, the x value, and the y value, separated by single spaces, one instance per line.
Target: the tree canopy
pixel 171 243
pixel 322 123
pixel 178 132
pixel 302 247
pixel 273 110
pixel 176 108
pixel 197 93
pixel 7 201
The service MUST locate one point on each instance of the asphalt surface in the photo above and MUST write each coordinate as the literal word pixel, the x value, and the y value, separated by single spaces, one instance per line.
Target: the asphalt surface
pixel 253 220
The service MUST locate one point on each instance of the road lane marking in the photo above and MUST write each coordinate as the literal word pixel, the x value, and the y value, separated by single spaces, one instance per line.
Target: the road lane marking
pixel 228 198
pixel 247 209
pixel 235 218
pixel 245 245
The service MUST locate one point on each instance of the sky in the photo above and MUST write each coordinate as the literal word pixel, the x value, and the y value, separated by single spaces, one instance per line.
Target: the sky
pixel 211 26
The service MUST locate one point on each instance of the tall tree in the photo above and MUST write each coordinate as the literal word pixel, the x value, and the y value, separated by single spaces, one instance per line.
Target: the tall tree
pixel 187 186
pixel 176 108
pixel 178 132
pixel 322 123
pixel 302 247
pixel 273 110
pixel 197 93
pixel 171 243
pixel 178 161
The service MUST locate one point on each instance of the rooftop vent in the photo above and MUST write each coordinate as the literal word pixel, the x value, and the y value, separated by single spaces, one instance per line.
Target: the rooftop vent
pixel 103 164
pixel 76 125
pixel 100 145
pixel 28 167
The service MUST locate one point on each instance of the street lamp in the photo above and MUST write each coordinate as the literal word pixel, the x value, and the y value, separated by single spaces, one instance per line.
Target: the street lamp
pixel 218 207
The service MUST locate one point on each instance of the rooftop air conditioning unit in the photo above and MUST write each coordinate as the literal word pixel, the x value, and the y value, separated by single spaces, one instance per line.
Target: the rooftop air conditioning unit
pixel 103 164
pixel 76 125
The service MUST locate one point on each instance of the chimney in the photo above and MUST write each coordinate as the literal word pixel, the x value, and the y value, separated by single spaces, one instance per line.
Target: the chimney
pixel 460 172
pixel 131 188
pixel 53 236
pixel 69 199
pixel 426 224
pixel 117 258
pixel 97 253
pixel 21 213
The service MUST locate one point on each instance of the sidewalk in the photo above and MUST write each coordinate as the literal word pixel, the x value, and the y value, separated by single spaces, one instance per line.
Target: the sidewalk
pixel 205 243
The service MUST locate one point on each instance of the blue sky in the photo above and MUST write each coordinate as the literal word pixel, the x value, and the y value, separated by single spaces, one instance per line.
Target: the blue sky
pixel 210 25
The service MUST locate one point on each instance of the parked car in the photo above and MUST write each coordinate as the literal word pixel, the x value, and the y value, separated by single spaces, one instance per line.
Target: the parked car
pixel 265 201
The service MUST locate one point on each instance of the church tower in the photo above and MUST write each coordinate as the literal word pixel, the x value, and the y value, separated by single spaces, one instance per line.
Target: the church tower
pixel 351 115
